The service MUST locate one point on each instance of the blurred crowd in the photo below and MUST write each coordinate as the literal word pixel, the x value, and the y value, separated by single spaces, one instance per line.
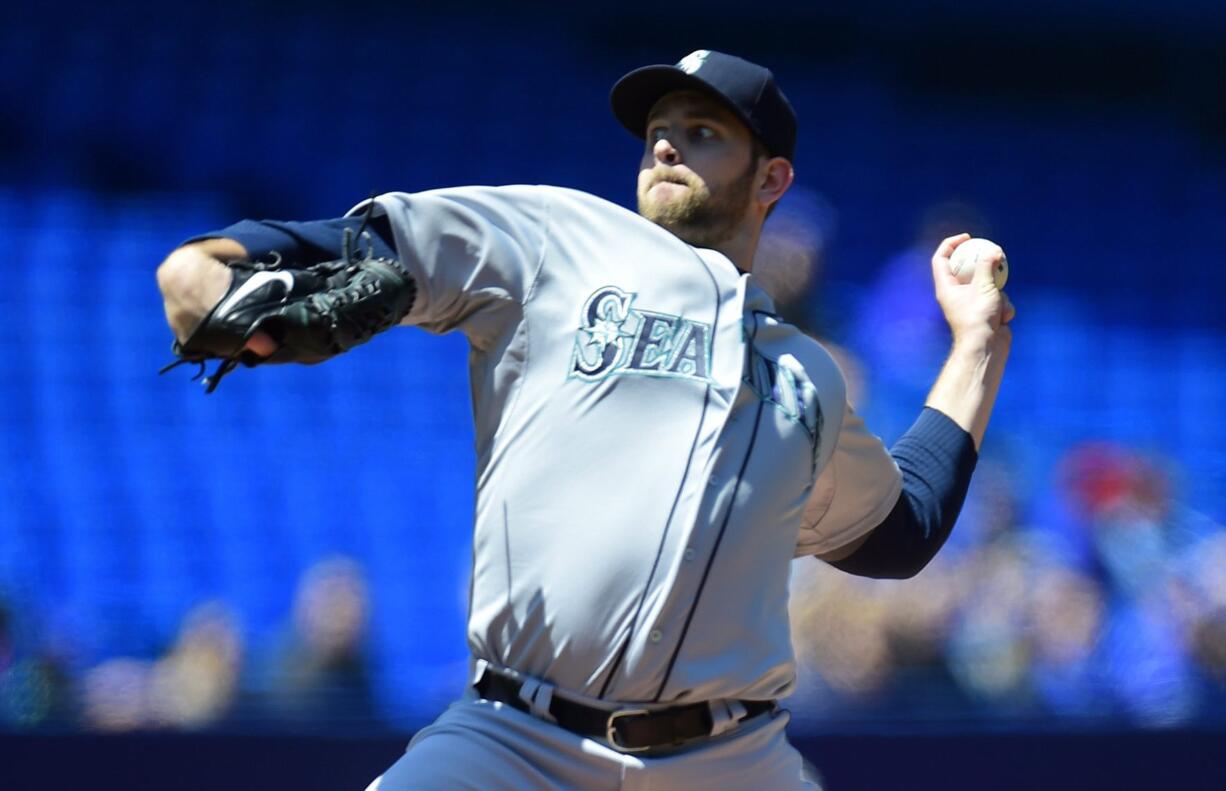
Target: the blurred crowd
pixel 1100 598
pixel 1113 611
pixel 1117 614
pixel 312 674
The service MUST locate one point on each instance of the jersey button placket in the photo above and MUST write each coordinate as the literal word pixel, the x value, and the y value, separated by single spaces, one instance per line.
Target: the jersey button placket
pixel 726 375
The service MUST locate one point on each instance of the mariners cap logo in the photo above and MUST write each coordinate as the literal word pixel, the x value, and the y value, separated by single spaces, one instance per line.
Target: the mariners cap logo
pixel 692 62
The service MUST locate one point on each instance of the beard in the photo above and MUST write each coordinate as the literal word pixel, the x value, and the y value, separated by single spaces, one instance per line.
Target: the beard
pixel 697 216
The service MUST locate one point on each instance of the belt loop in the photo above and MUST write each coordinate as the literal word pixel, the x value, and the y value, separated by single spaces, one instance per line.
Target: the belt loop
pixel 725 714
pixel 538 696
pixel 479 667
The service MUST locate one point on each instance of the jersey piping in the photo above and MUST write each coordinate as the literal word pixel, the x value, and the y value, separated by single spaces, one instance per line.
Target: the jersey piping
pixel 702 419
pixel 702 584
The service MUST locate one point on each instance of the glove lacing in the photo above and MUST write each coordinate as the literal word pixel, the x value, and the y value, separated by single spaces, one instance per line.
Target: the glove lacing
pixel 324 303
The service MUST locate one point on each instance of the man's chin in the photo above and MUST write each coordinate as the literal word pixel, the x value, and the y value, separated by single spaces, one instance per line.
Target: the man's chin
pixel 662 211
pixel 659 215
pixel 685 231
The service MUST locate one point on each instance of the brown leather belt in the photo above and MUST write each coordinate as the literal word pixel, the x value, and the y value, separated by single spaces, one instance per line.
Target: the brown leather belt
pixel 629 729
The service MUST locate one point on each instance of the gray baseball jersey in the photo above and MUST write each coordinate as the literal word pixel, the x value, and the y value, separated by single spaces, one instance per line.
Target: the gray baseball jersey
pixel 654 445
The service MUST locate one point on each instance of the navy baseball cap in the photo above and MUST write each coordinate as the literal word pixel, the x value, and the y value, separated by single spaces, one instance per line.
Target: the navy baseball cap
pixel 745 88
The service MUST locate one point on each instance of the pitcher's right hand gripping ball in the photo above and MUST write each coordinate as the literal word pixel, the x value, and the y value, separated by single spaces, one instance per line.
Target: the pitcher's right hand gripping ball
pixel 312 314
pixel 962 263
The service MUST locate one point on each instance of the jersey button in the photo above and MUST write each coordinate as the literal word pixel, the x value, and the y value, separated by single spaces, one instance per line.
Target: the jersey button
pixel 712 481
pixel 688 554
pixel 655 636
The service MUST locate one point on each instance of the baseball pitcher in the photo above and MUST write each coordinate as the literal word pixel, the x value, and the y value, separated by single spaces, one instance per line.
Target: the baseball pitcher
pixel 622 638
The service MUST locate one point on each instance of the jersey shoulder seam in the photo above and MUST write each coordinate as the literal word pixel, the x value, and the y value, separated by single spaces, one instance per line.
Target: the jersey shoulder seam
pixel 544 222
pixel 524 328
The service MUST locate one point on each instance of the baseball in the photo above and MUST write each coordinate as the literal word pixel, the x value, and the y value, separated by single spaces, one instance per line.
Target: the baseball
pixel 962 262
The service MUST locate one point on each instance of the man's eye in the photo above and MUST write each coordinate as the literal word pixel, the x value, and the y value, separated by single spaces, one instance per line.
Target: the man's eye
pixel 702 133
pixel 655 134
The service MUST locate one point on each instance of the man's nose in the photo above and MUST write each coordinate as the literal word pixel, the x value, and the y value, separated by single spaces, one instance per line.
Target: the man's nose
pixel 665 153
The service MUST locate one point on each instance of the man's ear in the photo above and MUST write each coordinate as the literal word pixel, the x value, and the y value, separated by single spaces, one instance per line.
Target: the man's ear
pixel 774 178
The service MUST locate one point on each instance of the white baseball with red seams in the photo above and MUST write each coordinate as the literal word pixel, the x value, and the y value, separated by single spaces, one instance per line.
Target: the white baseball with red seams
pixel 962 262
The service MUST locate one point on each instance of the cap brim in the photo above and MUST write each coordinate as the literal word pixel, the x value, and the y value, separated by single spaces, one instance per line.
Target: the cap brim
pixel 634 95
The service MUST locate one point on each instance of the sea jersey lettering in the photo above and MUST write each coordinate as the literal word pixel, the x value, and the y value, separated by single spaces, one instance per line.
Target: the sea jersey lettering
pixel 616 338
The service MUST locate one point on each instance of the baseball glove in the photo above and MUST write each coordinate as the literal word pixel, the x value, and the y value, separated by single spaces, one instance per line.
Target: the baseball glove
pixel 313 313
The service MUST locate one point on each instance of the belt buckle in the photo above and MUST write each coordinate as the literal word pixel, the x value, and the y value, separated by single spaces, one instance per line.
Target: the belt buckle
pixel 611 730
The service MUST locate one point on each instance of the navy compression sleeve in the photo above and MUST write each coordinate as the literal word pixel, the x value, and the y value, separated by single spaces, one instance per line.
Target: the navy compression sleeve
pixel 304 243
pixel 936 458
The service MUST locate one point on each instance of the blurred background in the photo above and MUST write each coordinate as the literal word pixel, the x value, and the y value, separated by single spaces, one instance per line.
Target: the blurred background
pixel 284 563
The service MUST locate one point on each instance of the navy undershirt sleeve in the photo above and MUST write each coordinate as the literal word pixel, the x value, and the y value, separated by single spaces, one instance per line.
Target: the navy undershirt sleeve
pixel 305 243
pixel 936 458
